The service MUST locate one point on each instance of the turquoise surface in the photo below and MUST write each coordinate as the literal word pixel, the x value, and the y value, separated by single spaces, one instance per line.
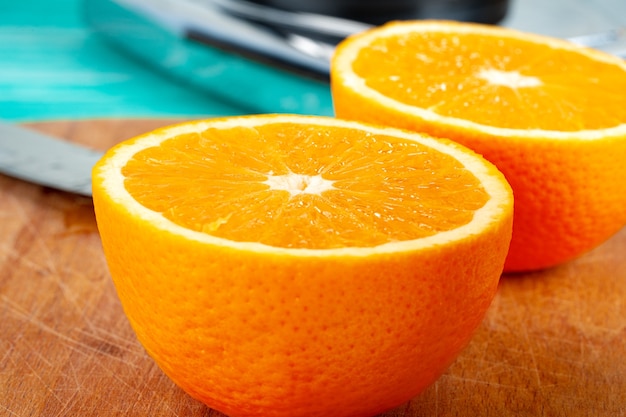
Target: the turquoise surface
pixel 53 66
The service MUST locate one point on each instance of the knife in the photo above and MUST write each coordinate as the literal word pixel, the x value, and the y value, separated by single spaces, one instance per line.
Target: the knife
pixel 259 67
pixel 46 160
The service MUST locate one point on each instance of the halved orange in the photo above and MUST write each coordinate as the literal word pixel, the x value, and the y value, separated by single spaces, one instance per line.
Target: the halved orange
pixel 549 114
pixel 301 266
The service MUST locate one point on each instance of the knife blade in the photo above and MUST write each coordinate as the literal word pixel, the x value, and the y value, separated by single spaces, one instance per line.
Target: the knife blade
pixel 260 68
pixel 46 160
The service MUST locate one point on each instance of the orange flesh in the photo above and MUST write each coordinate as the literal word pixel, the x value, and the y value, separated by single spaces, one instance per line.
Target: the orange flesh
pixel 378 189
pixel 440 72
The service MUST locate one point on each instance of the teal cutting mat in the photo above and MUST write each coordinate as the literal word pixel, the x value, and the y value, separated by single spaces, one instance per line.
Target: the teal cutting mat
pixel 53 66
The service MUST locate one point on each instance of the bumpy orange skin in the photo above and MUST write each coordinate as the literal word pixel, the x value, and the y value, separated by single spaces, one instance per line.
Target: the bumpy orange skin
pixel 254 334
pixel 570 195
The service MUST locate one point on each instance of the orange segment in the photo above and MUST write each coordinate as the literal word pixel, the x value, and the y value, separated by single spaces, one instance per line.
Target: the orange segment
pixel 290 266
pixel 494 77
pixel 549 114
pixel 310 193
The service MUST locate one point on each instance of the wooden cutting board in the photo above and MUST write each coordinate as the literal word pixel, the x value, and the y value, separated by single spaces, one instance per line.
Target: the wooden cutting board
pixel 552 344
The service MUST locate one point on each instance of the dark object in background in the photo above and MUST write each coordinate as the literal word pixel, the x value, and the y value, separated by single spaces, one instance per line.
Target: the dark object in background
pixel 380 11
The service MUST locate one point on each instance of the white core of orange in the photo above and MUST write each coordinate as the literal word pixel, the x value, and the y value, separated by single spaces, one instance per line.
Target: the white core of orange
pixel 297 183
pixel 512 79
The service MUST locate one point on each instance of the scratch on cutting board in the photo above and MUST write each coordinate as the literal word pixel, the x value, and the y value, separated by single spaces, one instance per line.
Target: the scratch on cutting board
pixel 513 359
pixel 33 351
pixel 101 368
pixel 37 374
pixel 8 410
pixel 20 211
pixel 74 375
pixel 8 351
pixel 15 310
pixel 10 253
pixel 437 399
pixel 531 351
pixel 43 382
pixel 74 387
pixel 64 406
pixel 103 335
pixel 478 381
pixel 58 275
pixel 77 388
pixel 48 261
pixel 162 403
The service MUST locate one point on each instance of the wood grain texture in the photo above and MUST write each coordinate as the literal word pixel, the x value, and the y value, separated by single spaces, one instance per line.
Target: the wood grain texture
pixel 553 342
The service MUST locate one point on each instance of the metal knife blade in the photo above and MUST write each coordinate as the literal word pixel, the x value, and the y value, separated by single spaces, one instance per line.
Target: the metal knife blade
pixel 261 69
pixel 46 160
